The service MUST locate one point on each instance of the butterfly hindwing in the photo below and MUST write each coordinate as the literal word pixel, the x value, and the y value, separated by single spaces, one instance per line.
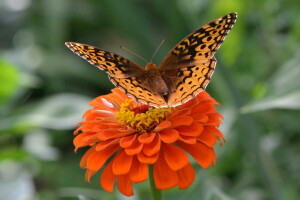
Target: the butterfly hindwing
pixel 139 88
pixel 201 45
pixel 186 82
pixel 113 64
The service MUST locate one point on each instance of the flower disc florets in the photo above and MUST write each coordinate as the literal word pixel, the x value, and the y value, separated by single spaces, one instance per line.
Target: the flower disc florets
pixel 141 118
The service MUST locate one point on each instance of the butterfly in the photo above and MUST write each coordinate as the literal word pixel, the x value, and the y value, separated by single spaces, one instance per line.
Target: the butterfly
pixel 183 73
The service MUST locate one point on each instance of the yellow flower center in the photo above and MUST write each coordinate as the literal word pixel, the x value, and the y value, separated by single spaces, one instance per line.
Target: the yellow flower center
pixel 142 118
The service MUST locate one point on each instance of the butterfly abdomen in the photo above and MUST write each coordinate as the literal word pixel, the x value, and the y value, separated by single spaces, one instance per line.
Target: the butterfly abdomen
pixel 156 80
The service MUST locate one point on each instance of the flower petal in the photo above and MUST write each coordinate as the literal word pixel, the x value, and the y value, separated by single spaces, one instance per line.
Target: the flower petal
pixel 108 179
pixel 168 135
pixel 102 145
pixel 125 142
pixel 203 154
pixel 164 176
pixel 207 138
pixel 113 133
pixel 193 130
pixel 179 113
pixel 191 103
pixel 125 185
pixel 204 108
pixel 186 176
pixel 153 147
pixel 97 159
pixel 84 139
pixel 139 171
pixel 218 134
pixel 199 117
pixel 85 157
pixel 180 121
pixel 147 159
pixel 88 175
pixel 175 157
pixel 121 163
pixel 135 148
pixel 146 138
pixel 188 139
pixel 163 125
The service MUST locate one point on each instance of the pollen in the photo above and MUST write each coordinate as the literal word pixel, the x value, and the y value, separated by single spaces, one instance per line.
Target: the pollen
pixel 142 118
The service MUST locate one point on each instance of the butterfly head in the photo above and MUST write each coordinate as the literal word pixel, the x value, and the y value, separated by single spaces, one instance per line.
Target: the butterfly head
pixel 150 66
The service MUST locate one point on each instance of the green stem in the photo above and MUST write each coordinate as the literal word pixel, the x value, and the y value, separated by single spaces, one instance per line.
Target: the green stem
pixel 156 193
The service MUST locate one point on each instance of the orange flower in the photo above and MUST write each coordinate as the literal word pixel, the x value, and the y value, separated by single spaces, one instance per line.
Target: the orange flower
pixel 135 135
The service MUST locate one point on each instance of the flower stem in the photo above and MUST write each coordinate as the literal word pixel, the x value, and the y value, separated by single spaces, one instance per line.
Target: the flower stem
pixel 156 193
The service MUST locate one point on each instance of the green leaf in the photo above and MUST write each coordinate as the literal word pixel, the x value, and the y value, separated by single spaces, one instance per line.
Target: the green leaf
pixel 8 81
pixel 57 112
pixel 283 90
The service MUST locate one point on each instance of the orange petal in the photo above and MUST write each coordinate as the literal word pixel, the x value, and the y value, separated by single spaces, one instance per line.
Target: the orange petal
pixel 125 185
pixel 207 138
pixel 203 154
pixel 121 163
pixel 85 157
pixel 191 103
pixel 139 171
pixel 193 130
pixel 102 145
pixel 186 176
pixel 147 159
pixel 214 121
pixel 199 117
pixel 97 159
pixel 218 134
pixel 179 113
pixel 108 178
pixel 175 157
pixel 146 138
pixel 168 135
pixel 135 148
pixel 127 141
pixel 163 125
pixel 204 108
pixel 113 133
pixel 153 147
pixel 164 176
pixel 188 139
pixel 88 175
pixel 180 121
pixel 83 139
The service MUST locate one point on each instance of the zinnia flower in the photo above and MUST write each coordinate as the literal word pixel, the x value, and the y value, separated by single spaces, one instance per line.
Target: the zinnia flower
pixel 125 138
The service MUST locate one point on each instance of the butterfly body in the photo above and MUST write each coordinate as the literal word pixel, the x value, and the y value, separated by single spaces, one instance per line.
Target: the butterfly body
pixel 182 74
pixel 156 80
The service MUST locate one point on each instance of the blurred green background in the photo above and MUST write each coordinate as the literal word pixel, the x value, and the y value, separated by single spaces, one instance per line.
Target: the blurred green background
pixel 45 88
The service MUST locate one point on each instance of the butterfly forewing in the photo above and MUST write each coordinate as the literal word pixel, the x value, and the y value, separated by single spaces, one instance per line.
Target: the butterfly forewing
pixel 113 64
pixel 201 45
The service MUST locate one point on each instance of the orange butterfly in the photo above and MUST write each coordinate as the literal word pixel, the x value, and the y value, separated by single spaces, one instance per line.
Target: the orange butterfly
pixel 183 73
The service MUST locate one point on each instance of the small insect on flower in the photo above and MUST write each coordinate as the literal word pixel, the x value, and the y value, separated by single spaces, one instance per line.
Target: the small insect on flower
pixel 125 137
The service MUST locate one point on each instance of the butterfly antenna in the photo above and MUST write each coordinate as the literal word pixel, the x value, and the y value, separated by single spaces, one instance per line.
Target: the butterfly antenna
pixel 157 49
pixel 133 53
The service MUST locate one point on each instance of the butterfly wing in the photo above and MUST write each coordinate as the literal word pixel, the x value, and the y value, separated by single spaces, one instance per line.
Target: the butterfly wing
pixel 188 68
pixel 201 45
pixel 140 88
pixel 186 82
pixel 124 74
pixel 113 64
